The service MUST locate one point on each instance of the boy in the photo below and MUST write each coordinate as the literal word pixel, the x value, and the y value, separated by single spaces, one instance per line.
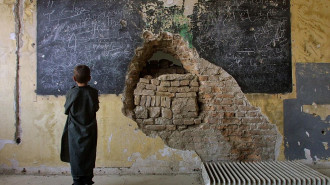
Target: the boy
pixel 80 132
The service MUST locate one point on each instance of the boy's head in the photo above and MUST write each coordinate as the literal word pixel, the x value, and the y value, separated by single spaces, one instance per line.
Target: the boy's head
pixel 81 74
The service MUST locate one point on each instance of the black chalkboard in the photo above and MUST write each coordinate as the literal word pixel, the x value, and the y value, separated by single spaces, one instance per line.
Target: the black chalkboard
pixel 250 39
pixel 99 33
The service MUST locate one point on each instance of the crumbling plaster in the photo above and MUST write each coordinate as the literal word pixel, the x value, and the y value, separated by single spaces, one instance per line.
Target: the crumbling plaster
pixel 42 117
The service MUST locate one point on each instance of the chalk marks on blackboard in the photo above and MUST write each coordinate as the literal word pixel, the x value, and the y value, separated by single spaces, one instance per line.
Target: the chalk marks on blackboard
pixel 248 38
pixel 85 32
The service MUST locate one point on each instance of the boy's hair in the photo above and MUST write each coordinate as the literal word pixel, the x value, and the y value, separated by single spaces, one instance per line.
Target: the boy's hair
pixel 82 73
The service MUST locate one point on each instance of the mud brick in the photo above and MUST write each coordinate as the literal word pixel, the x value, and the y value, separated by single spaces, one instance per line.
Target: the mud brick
pixel 154 112
pixel 229 114
pixel 175 83
pixel 148 101
pixel 194 89
pixel 173 89
pixel 225 96
pixel 184 82
pixel 143 100
pixel 141 112
pixel 165 84
pixel 239 102
pixel 153 101
pixel 144 80
pixel 167 113
pixel 181 127
pixel 148 121
pixel 214 78
pixel 157 103
pixel 148 92
pixel 240 114
pixel 137 99
pixel 162 89
pixel 197 121
pixel 151 87
pixel 165 94
pixel 155 81
pixel 227 101
pixel 183 89
pixel 178 121
pixel 252 114
pixel 205 89
pixel 165 102
pixel 171 127
pixel 188 122
pixel 163 121
pixel 139 121
pixel 203 78
pixel 155 127
pixel 231 121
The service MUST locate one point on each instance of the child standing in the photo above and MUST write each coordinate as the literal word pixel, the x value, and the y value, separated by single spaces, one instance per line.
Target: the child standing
pixel 80 132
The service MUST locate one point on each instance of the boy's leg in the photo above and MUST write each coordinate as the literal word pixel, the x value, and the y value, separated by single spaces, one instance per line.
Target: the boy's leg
pixel 83 180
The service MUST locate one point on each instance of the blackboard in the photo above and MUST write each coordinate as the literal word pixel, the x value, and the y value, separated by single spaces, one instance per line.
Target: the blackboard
pixel 250 39
pixel 99 33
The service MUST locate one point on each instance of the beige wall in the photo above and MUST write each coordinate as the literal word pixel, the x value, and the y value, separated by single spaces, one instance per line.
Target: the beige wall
pixel 120 143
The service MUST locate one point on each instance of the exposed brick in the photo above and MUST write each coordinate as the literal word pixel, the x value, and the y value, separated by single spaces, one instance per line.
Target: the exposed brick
pixel 148 121
pixel 153 101
pixel 143 100
pixel 165 83
pixel 173 89
pixel 155 127
pixel 167 113
pixel 137 99
pixel 148 92
pixel 194 84
pixel 175 83
pixel 155 82
pixel 163 121
pixel 141 112
pixel 197 121
pixel 231 121
pixel 162 89
pixel 171 127
pixel 188 122
pixel 157 101
pixel 184 89
pixel 181 127
pixel 178 121
pixel 203 78
pixel 151 87
pixel 194 89
pixel 148 101
pixel 165 94
pixel 154 112
pixel 144 80
pixel 165 102
pixel 229 114
pixel 184 82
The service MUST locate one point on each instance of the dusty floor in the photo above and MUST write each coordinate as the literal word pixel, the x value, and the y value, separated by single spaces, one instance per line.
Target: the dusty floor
pixel 192 179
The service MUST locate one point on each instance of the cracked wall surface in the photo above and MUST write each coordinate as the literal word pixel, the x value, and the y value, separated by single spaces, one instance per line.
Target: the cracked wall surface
pixel 122 145
pixel 204 110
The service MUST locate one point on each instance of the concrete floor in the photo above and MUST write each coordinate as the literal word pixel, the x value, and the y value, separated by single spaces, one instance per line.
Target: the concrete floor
pixel 191 179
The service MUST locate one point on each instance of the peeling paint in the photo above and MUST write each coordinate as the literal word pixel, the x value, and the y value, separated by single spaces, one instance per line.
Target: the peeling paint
pixel 308 154
pixel 317 110
pixel 325 144
pixel 3 142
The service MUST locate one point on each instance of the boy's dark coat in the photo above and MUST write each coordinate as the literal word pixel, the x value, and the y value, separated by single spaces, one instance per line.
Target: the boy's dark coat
pixel 79 137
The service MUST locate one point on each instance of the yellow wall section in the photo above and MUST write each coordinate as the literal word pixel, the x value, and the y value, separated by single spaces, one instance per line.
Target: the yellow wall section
pixel 120 144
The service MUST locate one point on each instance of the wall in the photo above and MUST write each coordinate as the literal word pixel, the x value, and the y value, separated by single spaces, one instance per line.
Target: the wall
pixel 122 148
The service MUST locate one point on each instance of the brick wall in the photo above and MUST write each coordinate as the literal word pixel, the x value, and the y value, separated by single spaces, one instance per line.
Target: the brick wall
pixel 204 110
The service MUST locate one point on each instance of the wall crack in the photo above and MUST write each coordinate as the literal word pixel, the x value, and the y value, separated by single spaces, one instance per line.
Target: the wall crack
pixel 18 13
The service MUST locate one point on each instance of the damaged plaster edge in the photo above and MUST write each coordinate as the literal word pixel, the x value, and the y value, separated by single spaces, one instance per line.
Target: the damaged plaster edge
pixel 3 142
pixel 18 14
